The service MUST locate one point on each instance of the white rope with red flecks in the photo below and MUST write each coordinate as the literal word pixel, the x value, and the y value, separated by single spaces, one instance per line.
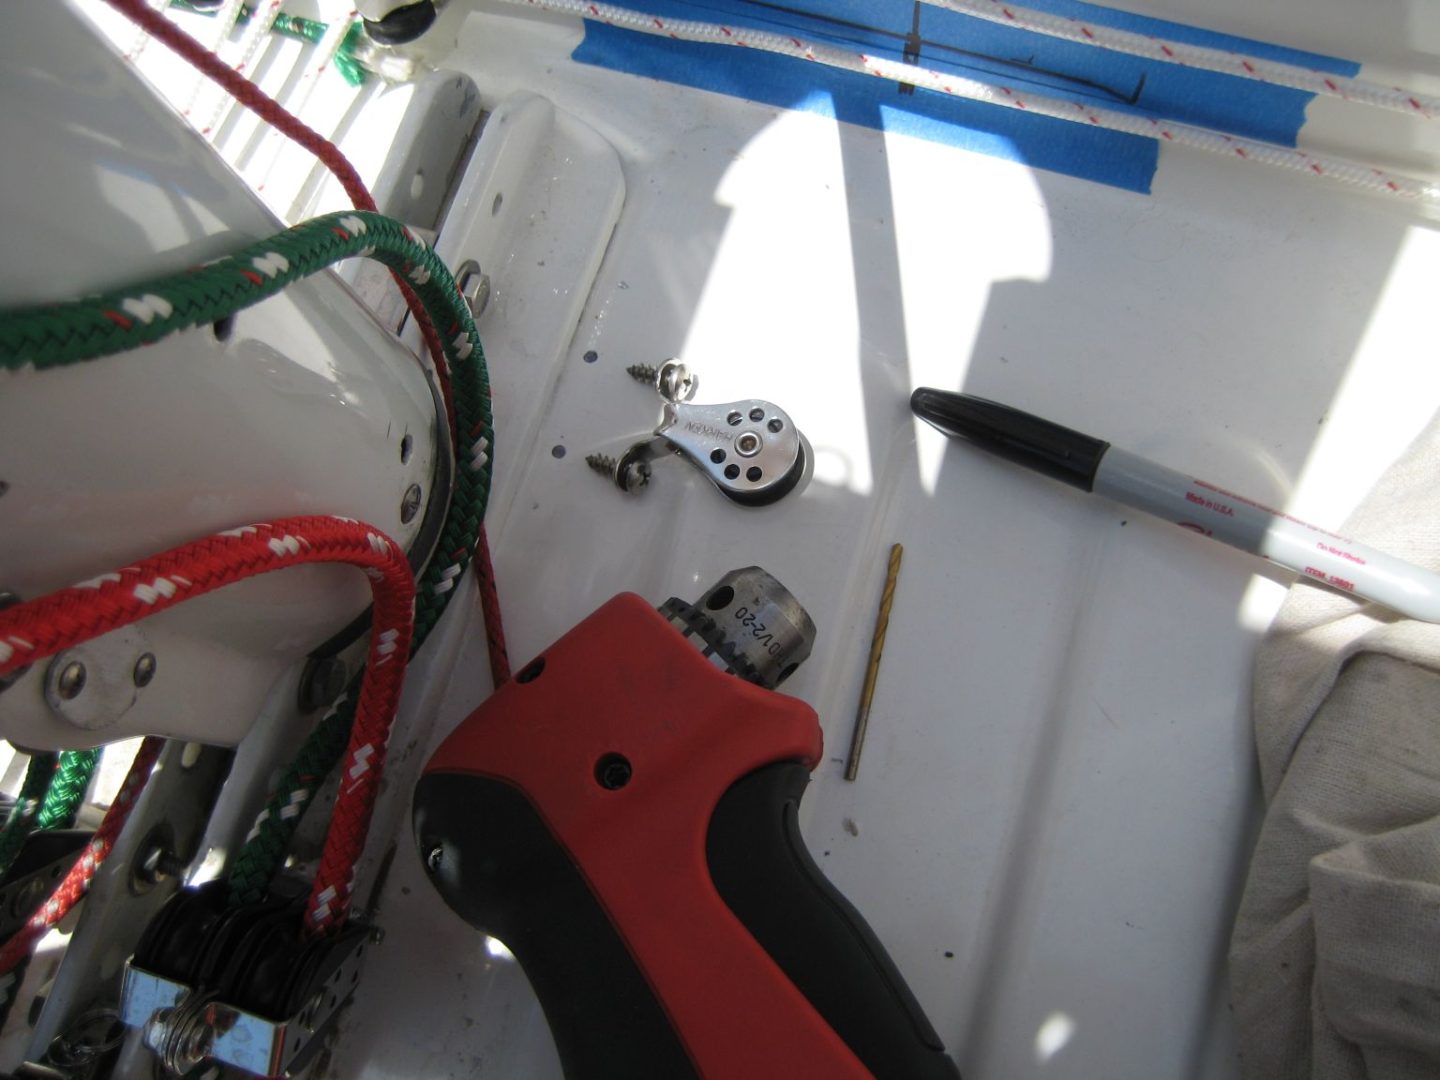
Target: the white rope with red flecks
pixel 1254 151
pixel 221 26
pixel 42 627
pixel 1274 72
pixel 261 19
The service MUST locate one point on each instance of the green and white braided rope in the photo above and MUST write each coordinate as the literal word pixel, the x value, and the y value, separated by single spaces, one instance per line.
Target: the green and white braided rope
pixel 67 789
pixel 49 798
pixel 43 337
pixel 58 788
pixel 21 823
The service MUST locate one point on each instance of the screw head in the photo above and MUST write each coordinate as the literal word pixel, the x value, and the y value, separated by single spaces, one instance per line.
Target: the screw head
pixel 71 681
pixel 675 382
pixel 636 474
pixel 435 858
pixel 613 772
pixel 144 670
pixel 410 504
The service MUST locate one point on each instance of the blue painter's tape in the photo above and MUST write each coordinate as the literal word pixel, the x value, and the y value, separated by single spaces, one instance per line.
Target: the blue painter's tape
pixel 979 49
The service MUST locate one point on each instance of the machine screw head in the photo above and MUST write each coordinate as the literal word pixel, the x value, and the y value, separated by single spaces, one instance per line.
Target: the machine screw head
pixel 410 504
pixel 434 859
pixel 71 681
pixel 144 670
pixel 613 772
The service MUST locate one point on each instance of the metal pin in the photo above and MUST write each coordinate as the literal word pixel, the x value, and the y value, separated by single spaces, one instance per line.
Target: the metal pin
pixel 872 667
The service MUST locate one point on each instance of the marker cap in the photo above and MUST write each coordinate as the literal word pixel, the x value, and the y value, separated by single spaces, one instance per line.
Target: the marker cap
pixel 1027 440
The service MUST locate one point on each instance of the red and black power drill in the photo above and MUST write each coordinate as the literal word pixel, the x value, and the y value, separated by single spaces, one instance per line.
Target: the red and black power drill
pixel 623 816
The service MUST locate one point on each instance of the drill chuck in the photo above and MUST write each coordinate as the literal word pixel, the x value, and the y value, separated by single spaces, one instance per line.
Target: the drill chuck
pixel 748 624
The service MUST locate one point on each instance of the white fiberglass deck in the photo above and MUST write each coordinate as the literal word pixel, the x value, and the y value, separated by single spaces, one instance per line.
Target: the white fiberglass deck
pixel 1052 820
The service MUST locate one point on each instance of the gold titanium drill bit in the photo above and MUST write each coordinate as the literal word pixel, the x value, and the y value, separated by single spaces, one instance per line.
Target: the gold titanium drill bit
pixel 872 667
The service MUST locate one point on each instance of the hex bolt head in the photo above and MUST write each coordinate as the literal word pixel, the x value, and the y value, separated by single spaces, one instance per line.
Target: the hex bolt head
pixel 144 670
pixel 474 286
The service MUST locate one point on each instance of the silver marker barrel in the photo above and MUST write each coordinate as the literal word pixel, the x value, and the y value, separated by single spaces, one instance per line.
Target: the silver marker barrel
pixel 1094 465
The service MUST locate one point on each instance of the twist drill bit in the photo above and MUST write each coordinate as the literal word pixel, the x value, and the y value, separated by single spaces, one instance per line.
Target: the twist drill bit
pixel 872 667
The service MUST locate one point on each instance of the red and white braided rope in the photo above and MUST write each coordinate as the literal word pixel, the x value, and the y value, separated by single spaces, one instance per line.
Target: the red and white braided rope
pixel 77 882
pixel 49 624
pixel 1359 91
pixel 273 113
pixel 1356 174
